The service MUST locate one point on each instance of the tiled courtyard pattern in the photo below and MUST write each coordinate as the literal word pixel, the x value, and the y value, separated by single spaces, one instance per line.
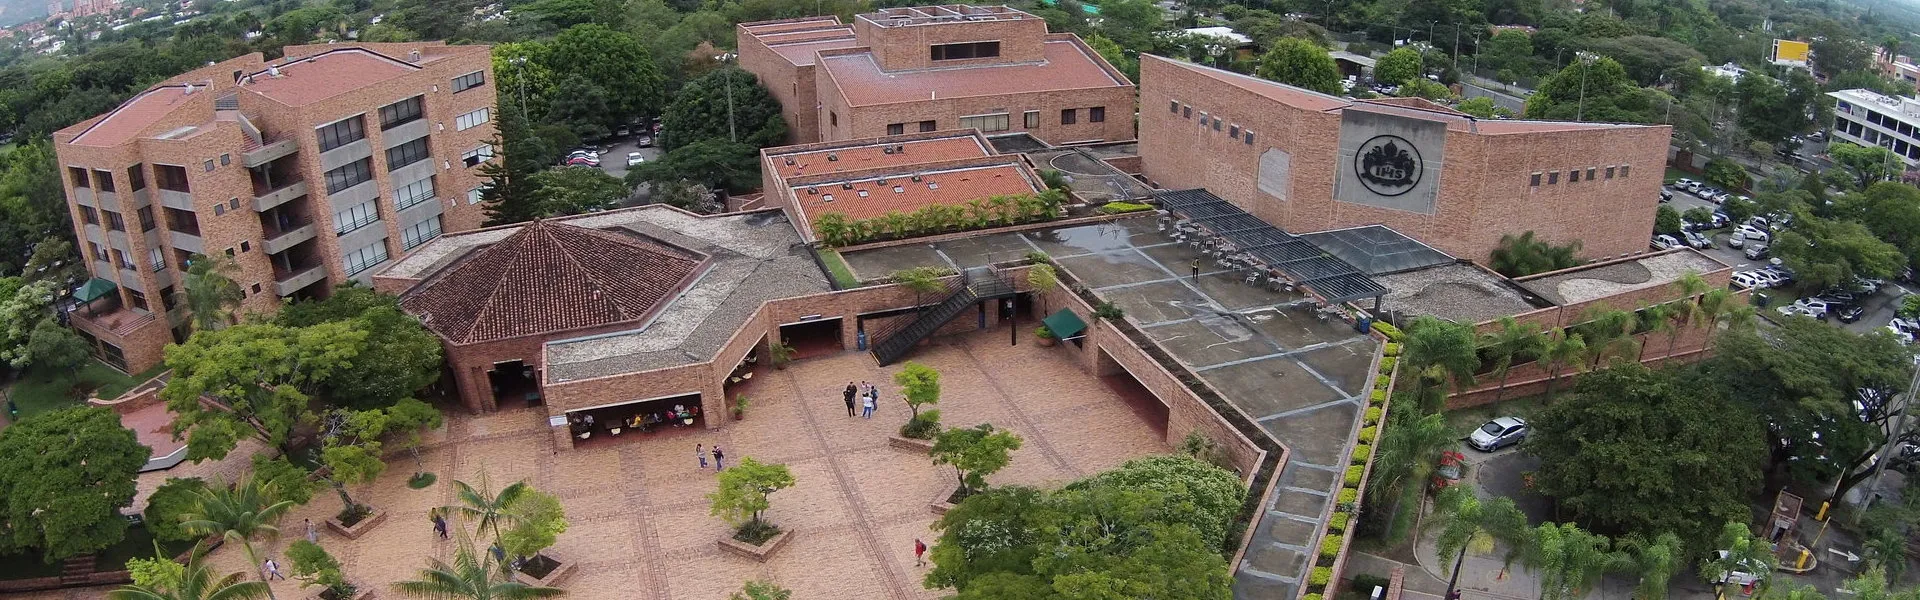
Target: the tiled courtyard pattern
pixel 637 505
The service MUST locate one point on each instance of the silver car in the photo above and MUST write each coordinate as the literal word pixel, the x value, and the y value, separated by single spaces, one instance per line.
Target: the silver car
pixel 1498 433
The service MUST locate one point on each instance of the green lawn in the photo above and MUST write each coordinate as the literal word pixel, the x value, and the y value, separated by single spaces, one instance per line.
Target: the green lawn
pixel 1676 174
pixel 837 267
pixel 1464 420
pixel 41 391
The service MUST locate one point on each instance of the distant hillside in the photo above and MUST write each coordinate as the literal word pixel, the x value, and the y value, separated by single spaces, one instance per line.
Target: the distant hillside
pixel 15 12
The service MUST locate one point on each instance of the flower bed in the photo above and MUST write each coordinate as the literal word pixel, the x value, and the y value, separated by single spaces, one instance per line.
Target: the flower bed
pixel 1330 560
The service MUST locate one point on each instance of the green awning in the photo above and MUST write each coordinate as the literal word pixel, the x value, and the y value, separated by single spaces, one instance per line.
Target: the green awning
pixel 93 289
pixel 1065 324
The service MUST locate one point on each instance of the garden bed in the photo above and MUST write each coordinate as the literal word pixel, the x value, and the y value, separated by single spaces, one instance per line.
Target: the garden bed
pixel 949 497
pixel 757 551
pixel 544 571
pixel 907 443
pixel 359 527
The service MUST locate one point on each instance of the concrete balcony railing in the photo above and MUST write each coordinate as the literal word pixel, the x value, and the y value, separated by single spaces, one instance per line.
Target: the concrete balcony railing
pixel 280 241
pixel 185 241
pixel 269 152
pixel 278 196
pixel 288 281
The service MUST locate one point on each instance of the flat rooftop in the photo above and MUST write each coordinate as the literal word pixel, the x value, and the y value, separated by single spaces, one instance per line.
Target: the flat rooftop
pixel 1459 292
pixel 326 75
pixel 875 154
pixel 945 13
pixel 804 52
pixel 872 197
pixel 756 257
pixel 1581 284
pixel 134 116
pixel 1067 66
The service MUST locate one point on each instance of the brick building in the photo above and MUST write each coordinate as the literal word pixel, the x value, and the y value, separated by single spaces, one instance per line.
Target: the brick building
pixel 1306 161
pixel 901 70
pixel 309 171
pixel 871 177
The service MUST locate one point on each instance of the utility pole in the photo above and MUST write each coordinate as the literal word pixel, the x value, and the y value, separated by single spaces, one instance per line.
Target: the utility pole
pixel 1456 46
pixel 1580 111
pixel 520 65
pixel 1899 428
pixel 727 59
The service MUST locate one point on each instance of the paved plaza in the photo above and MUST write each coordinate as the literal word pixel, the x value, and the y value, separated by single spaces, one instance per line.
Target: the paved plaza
pixel 1300 377
pixel 637 505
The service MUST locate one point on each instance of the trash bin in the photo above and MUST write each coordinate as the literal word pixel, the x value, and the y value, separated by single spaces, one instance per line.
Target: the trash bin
pixel 1363 324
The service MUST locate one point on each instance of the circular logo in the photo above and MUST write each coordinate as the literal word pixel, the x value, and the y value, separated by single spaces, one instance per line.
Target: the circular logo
pixel 1388 165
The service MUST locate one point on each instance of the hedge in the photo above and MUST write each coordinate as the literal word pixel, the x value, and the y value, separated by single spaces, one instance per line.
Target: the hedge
pixel 1372 415
pixel 1393 349
pixel 1311 597
pixel 1339 521
pixel 1114 208
pixel 1321 576
pixel 1361 452
pixel 1354 473
pixel 1379 398
pixel 1330 546
pixel 1367 434
pixel 1349 496
pixel 1387 329
pixel 1384 380
pixel 1386 364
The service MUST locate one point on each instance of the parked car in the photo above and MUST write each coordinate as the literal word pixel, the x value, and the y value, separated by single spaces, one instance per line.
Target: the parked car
pixel 1898 334
pixel 1849 313
pixel 644 141
pixel 1498 433
pixel 1682 183
pixel 1794 309
pixel 1698 240
pixel 1664 242
pixel 1753 233
pixel 1837 295
pixel 1814 307
pixel 1756 252
pixel 634 159
pixel 1735 241
pixel 1862 285
pixel 1903 325
pixel 1743 576
pixel 1666 196
pixel 1769 278
pixel 1687 184
pixel 1748 280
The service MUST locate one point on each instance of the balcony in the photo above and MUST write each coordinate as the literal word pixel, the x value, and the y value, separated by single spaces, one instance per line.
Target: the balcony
pixel 286 281
pixel 185 241
pixel 109 317
pixel 264 200
pixel 269 152
pixel 280 241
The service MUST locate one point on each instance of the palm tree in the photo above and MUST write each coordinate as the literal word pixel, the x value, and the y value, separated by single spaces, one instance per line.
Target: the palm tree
pixel 1466 520
pixel 1440 350
pixel 472 576
pixel 210 292
pixel 491 510
pixel 1656 562
pixel 1659 318
pixel 1563 348
pixel 197 582
pixel 1608 332
pixel 240 513
pixel 1409 452
pixel 1568 560
pixel 1512 340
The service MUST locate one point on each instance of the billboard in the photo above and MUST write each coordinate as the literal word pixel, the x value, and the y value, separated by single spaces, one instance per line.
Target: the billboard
pixel 1789 52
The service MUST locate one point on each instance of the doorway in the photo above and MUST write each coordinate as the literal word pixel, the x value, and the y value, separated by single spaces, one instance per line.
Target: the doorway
pixel 812 338
pixel 515 385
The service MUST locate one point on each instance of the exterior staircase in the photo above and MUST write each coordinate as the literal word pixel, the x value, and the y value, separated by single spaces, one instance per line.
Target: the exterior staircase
pixel 974 285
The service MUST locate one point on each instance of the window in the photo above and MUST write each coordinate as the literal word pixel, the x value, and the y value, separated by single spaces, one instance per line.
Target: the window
pixel 115 221
pixel 406 154
pixel 472 119
pixel 256 288
pixel 1233 131
pixel 1573 176
pixel 245 246
pixel 341 133
pixel 926 126
pixel 365 258
pixel 1173 107
pixel 1535 180
pixel 1205 120
pixel 833 119
pixel 1217 122
pixel 1590 173
pixel 94 251
pixel 219 209
pixel 477 155
pixel 1249 137
pixel 420 233
pixel 1030 119
pixel 896 128
pixel 157 260
pixel 356 217
pixel 1553 177
pixel 78 175
pixel 226 159
pixel 966 50
pixel 1623 171
pixel 120 259
pixel 355 173
pixel 469 81
pixel 166 298
pixel 1069 116
pixel 400 113
pixel 1097 114
pixel 987 123
pixel 89 215
pixel 103 180
pixel 137 299
pixel 182 221
pixel 146 218
pixel 1609 172
pixel 1186 112
pixel 172 178
pixel 208 165
pixel 475 195
pixel 413 193
pixel 136 178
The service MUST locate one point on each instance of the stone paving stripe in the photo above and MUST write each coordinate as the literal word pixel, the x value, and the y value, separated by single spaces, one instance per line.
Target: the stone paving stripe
pixel 850 490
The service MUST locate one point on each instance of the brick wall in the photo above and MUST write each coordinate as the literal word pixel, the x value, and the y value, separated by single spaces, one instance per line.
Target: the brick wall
pixel 897 48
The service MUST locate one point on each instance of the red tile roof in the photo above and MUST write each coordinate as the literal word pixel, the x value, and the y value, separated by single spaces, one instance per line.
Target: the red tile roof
pixel 326 75
pixel 1067 67
pixel 551 277
pixel 953 188
pixel 874 156
pixel 134 116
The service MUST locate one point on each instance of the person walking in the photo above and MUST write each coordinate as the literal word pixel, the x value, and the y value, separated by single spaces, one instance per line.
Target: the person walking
pixel 273 570
pixel 873 398
pixel 719 459
pixel 866 408
pixel 919 553
pixel 313 535
pixel 439 523
pixel 851 392
pixel 1196 270
pixel 702 455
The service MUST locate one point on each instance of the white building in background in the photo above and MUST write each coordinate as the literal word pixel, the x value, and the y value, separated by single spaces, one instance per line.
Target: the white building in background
pixel 1870 118
pixel 1729 71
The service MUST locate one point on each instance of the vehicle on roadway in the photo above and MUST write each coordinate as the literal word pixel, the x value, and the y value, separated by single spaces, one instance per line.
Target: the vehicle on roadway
pixel 1498 433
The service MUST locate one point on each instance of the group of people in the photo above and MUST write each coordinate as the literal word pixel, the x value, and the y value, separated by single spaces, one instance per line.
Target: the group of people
pixel 868 396
pixel 680 415
pixel 719 457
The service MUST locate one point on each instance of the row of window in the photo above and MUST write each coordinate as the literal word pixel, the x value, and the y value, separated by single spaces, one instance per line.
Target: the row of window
pixel 1575 174
pixel 406 154
pixel 342 132
pixel 355 217
pixel 349 175
pixel 136 178
pixel 365 258
pixel 477 155
pixel 413 193
pixel 469 81
pixel 113 219
pixel 965 50
pixel 1209 121
pixel 155 260
pixel 401 113
pixel 472 119
pixel 1876 138
pixel 420 233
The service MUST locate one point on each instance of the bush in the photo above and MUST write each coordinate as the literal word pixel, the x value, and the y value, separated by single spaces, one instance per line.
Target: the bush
pixel 1387 329
pixel 1367 434
pixel 1392 349
pixel 1379 397
pixel 1362 452
pixel 1321 577
pixel 1381 382
pixel 1308 596
pixel 1354 473
pixel 1386 365
pixel 1114 208
pixel 922 427
pixel 1348 496
pixel 1043 332
pixel 1339 521
pixel 173 498
pixel 1107 310
pixel 1330 546
pixel 1372 416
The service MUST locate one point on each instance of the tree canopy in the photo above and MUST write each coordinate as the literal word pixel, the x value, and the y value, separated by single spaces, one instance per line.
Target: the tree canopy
pixel 724 104
pixel 67 474
pixel 1298 62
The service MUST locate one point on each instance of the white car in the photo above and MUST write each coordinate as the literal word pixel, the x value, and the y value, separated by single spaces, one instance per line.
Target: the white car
pixel 1753 233
pixel 634 159
pixel 1811 307
pixel 1688 185
pixel 1745 575
pixel 1769 278
pixel 1795 309
pixel 1735 241
pixel 1664 242
pixel 1748 280
pixel 1902 336
pixel 1698 240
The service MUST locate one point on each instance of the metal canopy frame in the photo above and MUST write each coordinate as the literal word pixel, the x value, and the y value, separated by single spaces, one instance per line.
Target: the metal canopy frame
pixel 1300 260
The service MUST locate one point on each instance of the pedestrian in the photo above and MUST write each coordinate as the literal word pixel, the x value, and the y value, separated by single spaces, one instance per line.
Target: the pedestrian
pixel 919 553
pixel 851 391
pixel 313 535
pixel 273 570
pixel 1196 270
pixel 866 409
pixel 719 459
pixel 440 524
pixel 702 455
pixel 873 398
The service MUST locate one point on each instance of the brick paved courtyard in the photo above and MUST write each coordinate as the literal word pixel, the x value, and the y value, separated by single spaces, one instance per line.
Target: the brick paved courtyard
pixel 637 506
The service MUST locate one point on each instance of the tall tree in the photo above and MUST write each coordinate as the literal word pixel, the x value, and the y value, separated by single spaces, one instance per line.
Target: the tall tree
pixel 194 581
pixel 725 104
pixel 490 511
pixel 1868 164
pixel 473 575
pixel 1512 340
pixel 1655 561
pixel 1211 494
pixel 1608 332
pixel 576 190
pixel 1522 255
pixel 1568 560
pixel 262 375
pixel 241 514
pixel 1592 90
pixel 1745 552
pixel 615 61
pixel 1440 351
pixel 1466 521
pixel 975 452
pixel 1401 65
pixel 717 164
pixel 1298 62
pixel 67 474
pixel 1564 348
pixel 209 291
pixel 409 354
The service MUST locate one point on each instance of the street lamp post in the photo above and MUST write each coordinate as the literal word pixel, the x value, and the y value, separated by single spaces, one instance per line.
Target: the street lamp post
pixel 727 59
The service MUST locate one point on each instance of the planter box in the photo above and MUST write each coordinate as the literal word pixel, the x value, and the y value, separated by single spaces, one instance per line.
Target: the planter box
pixel 760 552
pixel 360 592
pixel 553 578
pixel 358 529
pixel 940 505
pixel 920 446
